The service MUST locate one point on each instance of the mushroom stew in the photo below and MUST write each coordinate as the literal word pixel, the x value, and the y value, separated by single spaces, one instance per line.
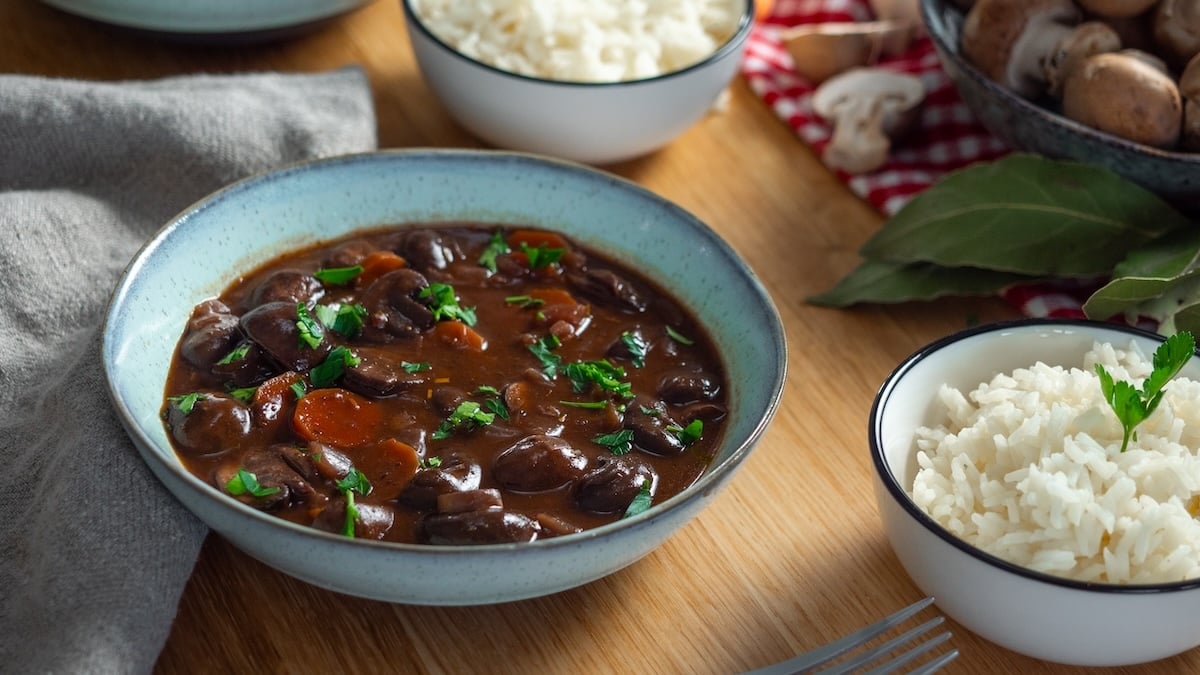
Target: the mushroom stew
pixel 448 384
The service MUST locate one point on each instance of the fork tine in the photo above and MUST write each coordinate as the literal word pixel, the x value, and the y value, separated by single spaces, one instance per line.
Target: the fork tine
pixel 936 664
pixel 875 652
pixel 914 653
pixel 835 649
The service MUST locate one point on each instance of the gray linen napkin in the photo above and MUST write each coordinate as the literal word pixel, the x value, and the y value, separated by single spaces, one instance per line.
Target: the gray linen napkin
pixel 94 553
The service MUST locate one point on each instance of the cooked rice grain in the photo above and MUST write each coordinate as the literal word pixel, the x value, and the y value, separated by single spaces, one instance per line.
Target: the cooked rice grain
pixel 583 40
pixel 1028 467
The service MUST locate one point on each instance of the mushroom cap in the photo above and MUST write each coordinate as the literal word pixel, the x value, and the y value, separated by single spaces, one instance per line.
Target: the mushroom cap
pixel 1086 39
pixel 1177 30
pixel 1116 9
pixel 1007 39
pixel 820 51
pixel 1189 89
pixel 1126 95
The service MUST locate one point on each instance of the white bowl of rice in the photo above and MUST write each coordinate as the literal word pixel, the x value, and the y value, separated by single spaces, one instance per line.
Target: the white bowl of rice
pixel 595 81
pixel 1005 494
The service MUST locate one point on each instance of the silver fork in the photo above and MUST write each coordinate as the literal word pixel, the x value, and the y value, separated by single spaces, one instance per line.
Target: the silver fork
pixel 809 661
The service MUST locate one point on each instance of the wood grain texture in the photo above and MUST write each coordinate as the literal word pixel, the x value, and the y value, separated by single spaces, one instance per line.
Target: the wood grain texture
pixel 789 556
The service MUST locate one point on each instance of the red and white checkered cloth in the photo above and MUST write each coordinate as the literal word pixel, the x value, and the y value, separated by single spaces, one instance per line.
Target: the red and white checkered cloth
pixel 946 138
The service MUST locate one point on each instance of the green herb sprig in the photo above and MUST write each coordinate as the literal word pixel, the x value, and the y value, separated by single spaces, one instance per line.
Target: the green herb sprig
pixel 354 481
pixel 1132 405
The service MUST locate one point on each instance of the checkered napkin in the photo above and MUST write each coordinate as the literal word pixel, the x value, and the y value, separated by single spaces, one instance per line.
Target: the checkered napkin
pixel 947 136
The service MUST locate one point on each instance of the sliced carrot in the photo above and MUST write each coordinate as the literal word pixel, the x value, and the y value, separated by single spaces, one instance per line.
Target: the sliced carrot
pixel 338 417
pixel 376 264
pixel 459 334
pixel 553 296
pixel 559 305
pixel 389 466
pixel 536 238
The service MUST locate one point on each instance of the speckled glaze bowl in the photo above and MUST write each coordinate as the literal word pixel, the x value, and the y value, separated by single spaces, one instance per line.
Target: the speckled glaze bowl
pixel 1043 616
pixel 597 123
pixel 246 20
pixel 199 252
pixel 1031 126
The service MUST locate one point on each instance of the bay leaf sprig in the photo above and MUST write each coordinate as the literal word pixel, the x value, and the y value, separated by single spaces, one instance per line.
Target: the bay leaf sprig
pixel 1020 219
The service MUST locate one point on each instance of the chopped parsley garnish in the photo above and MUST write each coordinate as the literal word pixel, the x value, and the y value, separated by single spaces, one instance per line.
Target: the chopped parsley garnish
pixel 310 329
pixel 237 354
pixel 1132 405
pixel 346 320
pixel 338 276
pixel 328 371
pixel 487 389
pixel 443 302
pixel 496 246
pixel 186 402
pixel 429 462
pixel 524 301
pixel 542 256
pixel 243 394
pixel 636 346
pixel 354 481
pixel 590 405
pixel 468 414
pixel 679 337
pixel 298 389
pixel 496 407
pixel 689 434
pixel 415 366
pixel 244 482
pixel 550 361
pixel 646 410
pixel 618 442
pixel 641 502
pixel 601 373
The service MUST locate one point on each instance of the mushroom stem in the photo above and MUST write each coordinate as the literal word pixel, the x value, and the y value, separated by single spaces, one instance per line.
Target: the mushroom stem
pixel 868 107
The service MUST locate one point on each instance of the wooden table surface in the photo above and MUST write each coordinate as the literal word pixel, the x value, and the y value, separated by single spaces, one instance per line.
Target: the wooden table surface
pixel 790 555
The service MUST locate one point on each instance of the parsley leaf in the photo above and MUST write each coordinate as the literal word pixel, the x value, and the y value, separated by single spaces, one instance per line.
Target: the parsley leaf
pixel 429 462
pixel 186 402
pixel 468 414
pixel 496 407
pixel 415 367
pixel 542 256
pixel 443 302
pixel 618 442
pixel 550 361
pixel 524 301
pixel 311 332
pixel 338 276
pixel 298 389
pixel 496 246
pixel 591 405
pixel 636 346
pixel 243 394
pixel 327 372
pixel 641 502
pixel 1132 405
pixel 346 320
pixel 601 373
pixel 679 337
pixel 689 434
pixel 239 352
pixel 354 481
pixel 244 482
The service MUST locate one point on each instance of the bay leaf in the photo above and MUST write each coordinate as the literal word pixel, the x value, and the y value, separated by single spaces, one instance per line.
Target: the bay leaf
pixel 1026 214
pixel 885 282
pixel 1159 281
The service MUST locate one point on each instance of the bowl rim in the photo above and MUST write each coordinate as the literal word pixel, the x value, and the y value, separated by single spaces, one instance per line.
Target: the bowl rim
pixel 737 38
pixel 711 478
pixel 884 471
pixel 952 51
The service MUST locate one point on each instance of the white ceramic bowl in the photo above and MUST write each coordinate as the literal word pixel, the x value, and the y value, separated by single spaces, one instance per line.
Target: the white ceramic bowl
pixel 1035 614
pixel 585 122
pixel 199 252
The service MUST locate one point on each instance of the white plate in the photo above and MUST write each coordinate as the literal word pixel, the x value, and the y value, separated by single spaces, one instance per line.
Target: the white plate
pixel 208 17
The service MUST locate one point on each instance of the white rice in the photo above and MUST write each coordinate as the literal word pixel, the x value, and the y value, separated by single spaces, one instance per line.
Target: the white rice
pixel 1028 467
pixel 583 40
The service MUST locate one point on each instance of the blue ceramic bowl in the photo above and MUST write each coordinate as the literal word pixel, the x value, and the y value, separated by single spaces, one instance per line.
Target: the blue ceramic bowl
pixel 1037 127
pixel 197 254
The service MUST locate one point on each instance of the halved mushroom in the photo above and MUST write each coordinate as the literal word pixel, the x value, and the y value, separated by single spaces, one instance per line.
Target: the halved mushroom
pixel 1127 94
pixel 1010 40
pixel 868 108
pixel 1088 38
pixel 820 51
